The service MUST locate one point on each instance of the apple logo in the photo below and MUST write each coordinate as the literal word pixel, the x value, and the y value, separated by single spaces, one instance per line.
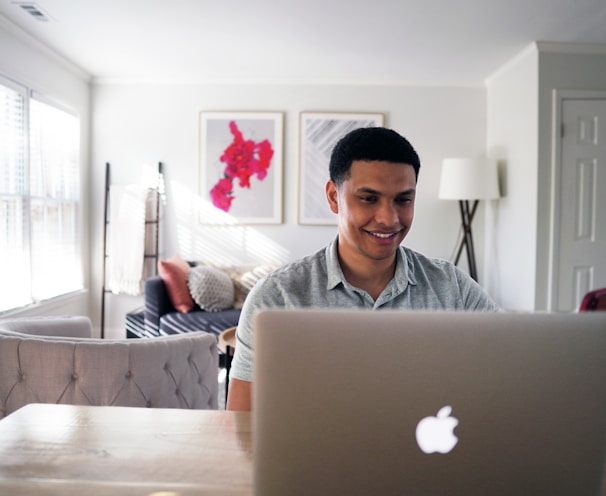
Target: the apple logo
pixel 435 434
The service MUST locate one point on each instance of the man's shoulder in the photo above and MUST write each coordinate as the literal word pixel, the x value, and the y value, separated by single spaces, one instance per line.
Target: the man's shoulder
pixel 418 261
pixel 302 267
pixel 296 271
pixel 450 285
pixel 296 283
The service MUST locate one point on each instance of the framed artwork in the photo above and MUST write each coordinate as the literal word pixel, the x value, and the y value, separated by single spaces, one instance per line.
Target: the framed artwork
pixel 319 133
pixel 241 163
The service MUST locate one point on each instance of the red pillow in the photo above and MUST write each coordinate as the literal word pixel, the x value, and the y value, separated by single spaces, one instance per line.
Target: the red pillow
pixel 173 272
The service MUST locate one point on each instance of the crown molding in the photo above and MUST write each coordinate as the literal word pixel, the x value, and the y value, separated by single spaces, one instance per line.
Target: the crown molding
pixel 573 48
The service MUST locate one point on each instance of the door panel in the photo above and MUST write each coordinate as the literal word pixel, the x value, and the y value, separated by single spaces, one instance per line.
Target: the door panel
pixel 582 237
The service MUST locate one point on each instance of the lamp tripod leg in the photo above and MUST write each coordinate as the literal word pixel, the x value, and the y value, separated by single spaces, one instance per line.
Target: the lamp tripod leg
pixel 462 243
pixel 467 215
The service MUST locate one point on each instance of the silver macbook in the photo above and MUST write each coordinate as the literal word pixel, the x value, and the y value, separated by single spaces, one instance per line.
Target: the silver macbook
pixel 407 403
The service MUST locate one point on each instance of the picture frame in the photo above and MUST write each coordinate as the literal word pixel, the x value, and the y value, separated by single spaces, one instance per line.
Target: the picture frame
pixel 241 167
pixel 319 133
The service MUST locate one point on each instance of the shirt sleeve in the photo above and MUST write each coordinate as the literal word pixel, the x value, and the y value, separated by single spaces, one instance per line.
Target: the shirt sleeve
pixel 264 294
pixel 475 298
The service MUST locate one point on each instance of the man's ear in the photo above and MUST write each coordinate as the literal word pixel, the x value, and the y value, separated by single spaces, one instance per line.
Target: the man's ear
pixel 332 196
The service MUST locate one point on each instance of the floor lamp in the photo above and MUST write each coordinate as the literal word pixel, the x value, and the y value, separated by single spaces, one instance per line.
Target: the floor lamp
pixel 468 181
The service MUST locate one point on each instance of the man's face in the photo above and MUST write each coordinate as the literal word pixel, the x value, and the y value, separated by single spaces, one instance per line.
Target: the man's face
pixel 375 207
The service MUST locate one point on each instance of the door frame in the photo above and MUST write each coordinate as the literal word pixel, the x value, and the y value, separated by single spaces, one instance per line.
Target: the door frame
pixel 559 96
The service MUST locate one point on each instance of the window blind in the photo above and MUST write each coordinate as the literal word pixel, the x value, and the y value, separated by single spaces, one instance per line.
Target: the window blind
pixel 14 243
pixel 39 199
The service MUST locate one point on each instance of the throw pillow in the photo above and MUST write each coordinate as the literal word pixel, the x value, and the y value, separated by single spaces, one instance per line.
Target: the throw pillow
pixel 173 272
pixel 211 289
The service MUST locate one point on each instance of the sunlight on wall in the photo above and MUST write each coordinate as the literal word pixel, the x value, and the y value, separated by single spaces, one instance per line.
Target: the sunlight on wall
pixel 220 240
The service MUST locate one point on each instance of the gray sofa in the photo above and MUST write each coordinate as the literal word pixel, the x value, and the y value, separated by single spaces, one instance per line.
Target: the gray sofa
pixel 54 360
pixel 161 317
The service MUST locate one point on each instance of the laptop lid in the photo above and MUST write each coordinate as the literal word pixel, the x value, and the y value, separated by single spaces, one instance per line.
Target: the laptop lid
pixel 417 403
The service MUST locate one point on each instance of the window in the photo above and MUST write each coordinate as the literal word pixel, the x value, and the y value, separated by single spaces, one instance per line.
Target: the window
pixel 40 238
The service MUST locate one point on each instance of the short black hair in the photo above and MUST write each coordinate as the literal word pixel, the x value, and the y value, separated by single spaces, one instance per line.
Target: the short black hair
pixel 371 143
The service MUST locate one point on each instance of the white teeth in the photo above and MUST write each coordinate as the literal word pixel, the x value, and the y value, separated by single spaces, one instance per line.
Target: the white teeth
pixel 380 235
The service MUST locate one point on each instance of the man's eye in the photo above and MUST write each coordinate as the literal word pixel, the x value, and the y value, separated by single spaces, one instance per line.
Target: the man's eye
pixel 368 199
pixel 404 200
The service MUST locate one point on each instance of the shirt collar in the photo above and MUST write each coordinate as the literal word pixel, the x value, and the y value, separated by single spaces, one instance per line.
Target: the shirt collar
pixel 333 269
pixel 404 271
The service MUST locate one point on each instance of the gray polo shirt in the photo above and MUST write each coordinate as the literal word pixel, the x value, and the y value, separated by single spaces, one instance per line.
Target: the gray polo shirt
pixel 420 283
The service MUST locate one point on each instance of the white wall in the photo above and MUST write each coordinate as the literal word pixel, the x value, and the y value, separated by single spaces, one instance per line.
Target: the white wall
pixel 561 67
pixel 137 124
pixel 520 106
pixel 26 61
pixel 511 221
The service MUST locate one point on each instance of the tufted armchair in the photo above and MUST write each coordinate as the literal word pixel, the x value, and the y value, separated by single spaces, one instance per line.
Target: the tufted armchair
pixel 54 360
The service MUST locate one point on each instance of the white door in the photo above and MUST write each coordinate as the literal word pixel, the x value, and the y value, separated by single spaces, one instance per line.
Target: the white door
pixel 582 201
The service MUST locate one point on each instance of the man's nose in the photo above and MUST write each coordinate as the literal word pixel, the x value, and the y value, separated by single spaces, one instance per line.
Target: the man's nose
pixel 386 214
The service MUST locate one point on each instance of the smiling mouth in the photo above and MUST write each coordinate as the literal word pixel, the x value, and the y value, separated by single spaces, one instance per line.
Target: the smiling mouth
pixel 383 235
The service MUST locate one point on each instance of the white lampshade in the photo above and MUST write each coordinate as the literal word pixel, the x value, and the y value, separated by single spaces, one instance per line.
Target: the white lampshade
pixel 469 179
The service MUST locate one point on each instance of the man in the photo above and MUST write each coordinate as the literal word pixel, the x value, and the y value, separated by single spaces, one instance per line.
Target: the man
pixel 372 189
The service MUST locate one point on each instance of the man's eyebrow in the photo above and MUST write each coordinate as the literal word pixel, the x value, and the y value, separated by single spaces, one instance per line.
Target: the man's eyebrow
pixel 371 191
pixel 367 190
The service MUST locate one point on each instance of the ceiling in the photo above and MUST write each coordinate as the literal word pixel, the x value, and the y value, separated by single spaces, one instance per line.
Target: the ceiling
pixel 459 42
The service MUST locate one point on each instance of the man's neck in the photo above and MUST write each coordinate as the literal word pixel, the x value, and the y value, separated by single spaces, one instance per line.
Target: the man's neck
pixel 371 276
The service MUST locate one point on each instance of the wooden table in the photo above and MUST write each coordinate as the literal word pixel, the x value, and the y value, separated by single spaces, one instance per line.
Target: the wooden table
pixel 84 450
pixel 227 340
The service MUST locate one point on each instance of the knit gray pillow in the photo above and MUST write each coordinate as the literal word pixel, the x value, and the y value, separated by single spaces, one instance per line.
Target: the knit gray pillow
pixel 211 289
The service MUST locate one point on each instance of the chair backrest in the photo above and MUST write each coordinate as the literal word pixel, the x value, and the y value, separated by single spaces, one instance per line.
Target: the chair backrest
pixel 178 371
pixel 73 326
pixel 594 300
